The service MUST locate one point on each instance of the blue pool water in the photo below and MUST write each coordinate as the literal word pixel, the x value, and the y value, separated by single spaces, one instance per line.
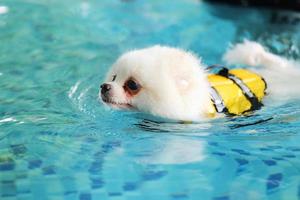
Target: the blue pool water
pixel 58 142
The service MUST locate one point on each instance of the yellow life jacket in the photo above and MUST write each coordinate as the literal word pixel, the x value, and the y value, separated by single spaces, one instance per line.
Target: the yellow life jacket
pixel 236 91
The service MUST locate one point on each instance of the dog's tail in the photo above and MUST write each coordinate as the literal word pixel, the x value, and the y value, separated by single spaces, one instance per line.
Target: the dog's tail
pixel 282 74
pixel 253 54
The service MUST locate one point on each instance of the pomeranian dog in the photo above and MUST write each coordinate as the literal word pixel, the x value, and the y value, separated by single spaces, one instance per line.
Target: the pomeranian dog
pixel 174 84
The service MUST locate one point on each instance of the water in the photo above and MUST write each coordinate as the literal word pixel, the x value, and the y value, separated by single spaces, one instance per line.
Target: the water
pixel 58 142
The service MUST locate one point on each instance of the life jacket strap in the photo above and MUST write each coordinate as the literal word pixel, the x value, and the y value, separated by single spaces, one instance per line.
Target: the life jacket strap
pixel 217 100
pixel 255 103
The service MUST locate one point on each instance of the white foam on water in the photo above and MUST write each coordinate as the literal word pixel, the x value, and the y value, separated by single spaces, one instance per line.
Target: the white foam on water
pixel 73 89
pixel 8 119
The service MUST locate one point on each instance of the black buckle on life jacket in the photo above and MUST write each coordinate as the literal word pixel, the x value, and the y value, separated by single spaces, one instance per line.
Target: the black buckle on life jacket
pixel 224 72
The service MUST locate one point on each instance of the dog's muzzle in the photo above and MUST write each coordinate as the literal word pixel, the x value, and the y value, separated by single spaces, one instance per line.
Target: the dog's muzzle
pixel 105 91
pixel 105 88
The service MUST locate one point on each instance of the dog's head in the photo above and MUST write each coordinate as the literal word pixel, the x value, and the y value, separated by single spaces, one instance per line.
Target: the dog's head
pixel 163 81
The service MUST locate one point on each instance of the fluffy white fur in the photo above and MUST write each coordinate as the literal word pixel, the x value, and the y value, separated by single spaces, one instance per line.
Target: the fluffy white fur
pixel 174 82
pixel 282 75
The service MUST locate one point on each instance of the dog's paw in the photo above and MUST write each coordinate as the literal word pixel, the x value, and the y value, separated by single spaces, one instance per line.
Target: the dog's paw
pixel 246 53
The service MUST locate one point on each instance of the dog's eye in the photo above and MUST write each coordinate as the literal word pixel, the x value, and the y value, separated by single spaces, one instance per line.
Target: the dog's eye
pixel 132 87
pixel 114 77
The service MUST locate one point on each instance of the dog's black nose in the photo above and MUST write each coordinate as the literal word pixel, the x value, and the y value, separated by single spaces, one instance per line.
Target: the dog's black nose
pixel 105 88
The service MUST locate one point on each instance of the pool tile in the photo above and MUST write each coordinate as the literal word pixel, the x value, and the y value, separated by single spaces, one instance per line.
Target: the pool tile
pixel 70 192
pixel 114 194
pixel 240 170
pixel 275 147
pixel 23 186
pixel 24 191
pixel 278 158
pixel 109 146
pixel 22 175
pixel 71 196
pixel 289 156
pixel 98 155
pixel 130 186
pixel 96 167
pixel 153 175
pixel 90 140
pixel 7 166
pixel 295 149
pixel 68 184
pixel 265 149
pixel 222 198
pixel 270 162
pixel 7 182
pixel 8 189
pixel 49 170
pixel 273 181
pixel 179 196
pixel 32 164
pixel 18 149
pixel 219 153
pixel 213 143
pixel 85 196
pixel 240 151
pixel 242 161
pixel 96 183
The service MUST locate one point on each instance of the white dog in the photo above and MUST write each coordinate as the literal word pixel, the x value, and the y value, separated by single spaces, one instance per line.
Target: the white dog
pixel 174 84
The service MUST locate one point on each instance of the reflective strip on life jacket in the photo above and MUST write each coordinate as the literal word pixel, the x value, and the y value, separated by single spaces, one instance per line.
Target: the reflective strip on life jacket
pixel 236 91
pixel 254 82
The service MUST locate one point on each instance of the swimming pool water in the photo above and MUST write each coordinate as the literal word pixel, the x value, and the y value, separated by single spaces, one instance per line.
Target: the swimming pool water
pixel 58 142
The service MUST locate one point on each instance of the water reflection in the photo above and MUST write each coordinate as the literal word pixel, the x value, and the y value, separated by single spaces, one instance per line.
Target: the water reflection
pixel 178 151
